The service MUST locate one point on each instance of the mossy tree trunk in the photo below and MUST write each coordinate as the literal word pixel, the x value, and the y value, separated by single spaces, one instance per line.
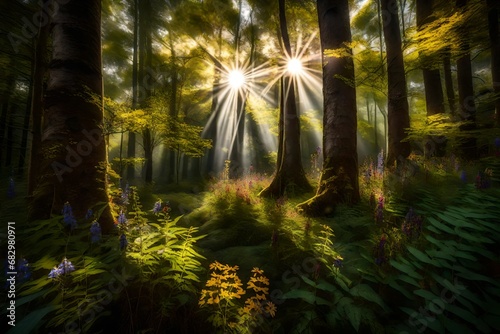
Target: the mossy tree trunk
pixel 339 178
pixel 73 151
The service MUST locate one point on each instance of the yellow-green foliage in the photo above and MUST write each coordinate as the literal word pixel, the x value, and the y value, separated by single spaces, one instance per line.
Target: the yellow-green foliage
pixel 221 292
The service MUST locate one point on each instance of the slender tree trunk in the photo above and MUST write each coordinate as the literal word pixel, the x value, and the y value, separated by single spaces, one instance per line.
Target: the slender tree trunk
pixel 434 98
pixel 146 81
pixel 494 9
pixel 467 105
pixel 397 106
pixel 448 81
pixel 339 178
pixel 289 168
pixel 131 135
pixel 73 171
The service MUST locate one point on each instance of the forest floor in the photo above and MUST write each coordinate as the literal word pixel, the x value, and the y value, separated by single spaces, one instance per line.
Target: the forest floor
pixel 376 266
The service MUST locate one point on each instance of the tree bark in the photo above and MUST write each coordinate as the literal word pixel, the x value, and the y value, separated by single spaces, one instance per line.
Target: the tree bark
pixel 493 27
pixel 289 169
pixel 339 178
pixel 467 105
pixel 131 135
pixel 448 81
pixel 73 164
pixel 397 105
pixel 434 98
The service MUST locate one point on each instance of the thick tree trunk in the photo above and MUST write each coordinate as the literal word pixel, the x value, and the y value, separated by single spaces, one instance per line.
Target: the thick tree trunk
pixel 494 10
pixel 72 167
pixel 289 171
pixel 467 105
pixel 397 105
pixel 339 178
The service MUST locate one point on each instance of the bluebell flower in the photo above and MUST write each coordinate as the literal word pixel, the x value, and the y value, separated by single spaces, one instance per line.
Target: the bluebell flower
pixel 157 207
pixel 89 214
pixel 54 273
pixel 123 242
pixel 65 267
pixel 23 270
pixel 497 142
pixel 463 176
pixel 11 190
pixel 337 263
pixel 95 232
pixel 69 218
pixel 121 218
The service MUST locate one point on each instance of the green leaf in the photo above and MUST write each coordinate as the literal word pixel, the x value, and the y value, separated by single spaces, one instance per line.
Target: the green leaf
pixel 366 292
pixel 407 269
pixel 305 295
pixel 421 256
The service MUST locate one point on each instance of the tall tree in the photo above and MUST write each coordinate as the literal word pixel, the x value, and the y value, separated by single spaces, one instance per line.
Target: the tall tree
pixel 467 105
pixel 493 28
pixel 131 135
pixel 145 79
pixel 74 153
pixel 397 104
pixel 339 178
pixel 289 168
pixel 434 98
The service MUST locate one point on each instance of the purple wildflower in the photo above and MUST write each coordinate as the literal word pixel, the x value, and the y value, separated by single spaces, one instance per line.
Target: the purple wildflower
pixel 412 226
pixel 95 232
pixel 121 218
pixel 23 270
pixel 337 263
pixel 463 176
pixel 123 242
pixel 69 218
pixel 11 190
pixel 157 207
pixel 497 142
pixel 380 251
pixel 89 214
pixel 65 267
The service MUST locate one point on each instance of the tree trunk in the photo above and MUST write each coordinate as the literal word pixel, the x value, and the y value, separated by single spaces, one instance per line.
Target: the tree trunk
pixel 289 170
pixel 467 105
pixel 146 61
pixel 494 8
pixel 448 81
pixel 72 169
pixel 434 98
pixel 339 178
pixel 131 135
pixel 397 105
pixel 10 136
